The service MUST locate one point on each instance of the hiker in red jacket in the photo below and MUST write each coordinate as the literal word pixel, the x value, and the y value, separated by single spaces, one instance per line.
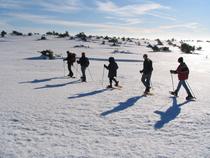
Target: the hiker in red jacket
pixel 183 73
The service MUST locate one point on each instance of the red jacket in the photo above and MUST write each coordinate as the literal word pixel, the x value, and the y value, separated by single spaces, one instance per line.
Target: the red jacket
pixel 182 71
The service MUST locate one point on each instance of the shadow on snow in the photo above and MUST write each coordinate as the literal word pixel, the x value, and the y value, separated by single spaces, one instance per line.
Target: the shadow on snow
pixel 118 60
pixel 58 85
pixel 41 80
pixel 88 93
pixel 123 105
pixel 90 58
pixel 170 114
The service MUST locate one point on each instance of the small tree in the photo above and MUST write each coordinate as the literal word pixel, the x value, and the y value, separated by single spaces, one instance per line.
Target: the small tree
pixel 3 33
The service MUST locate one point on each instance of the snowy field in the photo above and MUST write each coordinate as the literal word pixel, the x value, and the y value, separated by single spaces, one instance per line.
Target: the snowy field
pixel 46 115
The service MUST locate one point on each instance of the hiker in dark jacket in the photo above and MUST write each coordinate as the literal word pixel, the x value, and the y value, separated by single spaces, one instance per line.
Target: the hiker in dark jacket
pixel 183 73
pixel 146 73
pixel 112 67
pixel 84 63
pixel 71 58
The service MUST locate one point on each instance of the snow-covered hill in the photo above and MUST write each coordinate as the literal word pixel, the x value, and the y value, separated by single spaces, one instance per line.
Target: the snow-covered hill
pixel 45 115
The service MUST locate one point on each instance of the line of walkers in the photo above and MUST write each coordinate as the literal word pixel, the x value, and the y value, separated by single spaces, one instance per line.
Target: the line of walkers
pixel 182 71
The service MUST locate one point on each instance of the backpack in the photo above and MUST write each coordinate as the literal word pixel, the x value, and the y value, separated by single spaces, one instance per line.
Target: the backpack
pixel 87 63
pixel 73 57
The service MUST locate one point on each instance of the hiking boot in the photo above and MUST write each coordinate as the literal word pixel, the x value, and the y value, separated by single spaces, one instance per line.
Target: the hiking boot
pixel 109 86
pixel 83 79
pixel 117 83
pixel 147 89
pixel 174 93
pixel 189 97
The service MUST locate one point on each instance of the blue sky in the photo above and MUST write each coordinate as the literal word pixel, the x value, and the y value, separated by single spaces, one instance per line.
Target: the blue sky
pixel 185 19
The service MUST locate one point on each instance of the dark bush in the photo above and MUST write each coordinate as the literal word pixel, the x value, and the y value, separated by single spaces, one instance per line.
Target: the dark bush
pixel 186 48
pixel 155 48
pixel 159 42
pixel 3 33
pixel 48 54
pixel 82 36
pixel 165 49
pixel 63 35
pixel 129 40
pixel 49 33
pixel 106 38
pixel 43 38
pixel 113 40
pixel 30 34
pixel 17 33
pixel 199 48
pixel 71 38
pixel 52 33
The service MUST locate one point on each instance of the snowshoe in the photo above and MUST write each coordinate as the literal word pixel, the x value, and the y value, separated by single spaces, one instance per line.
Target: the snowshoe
pixel 146 93
pixel 173 93
pixel 109 86
pixel 190 98
pixel 117 84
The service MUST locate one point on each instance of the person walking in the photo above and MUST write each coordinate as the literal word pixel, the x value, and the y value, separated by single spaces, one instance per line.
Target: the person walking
pixel 183 73
pixel 112 68
pixel 71 58
pixel 146 73
pixel 84 63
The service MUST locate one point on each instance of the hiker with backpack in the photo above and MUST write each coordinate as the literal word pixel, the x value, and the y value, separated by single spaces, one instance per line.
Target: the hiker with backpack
pixel 84 63
pixel 183 73
pixel 71 58
pixel 146 73
pixel 112 68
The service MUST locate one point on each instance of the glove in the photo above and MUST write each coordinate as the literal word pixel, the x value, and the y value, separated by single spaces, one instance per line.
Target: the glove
pixel 141 71
pixel 172 71
pixel 104 65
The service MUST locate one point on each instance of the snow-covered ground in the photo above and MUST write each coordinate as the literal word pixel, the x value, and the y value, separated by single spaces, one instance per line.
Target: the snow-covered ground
pixel 46 115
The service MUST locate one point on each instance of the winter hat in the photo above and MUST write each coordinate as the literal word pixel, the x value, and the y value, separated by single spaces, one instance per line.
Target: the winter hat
pixel 111 59
pixel 145 56
pixel 180 59
pixel 83 54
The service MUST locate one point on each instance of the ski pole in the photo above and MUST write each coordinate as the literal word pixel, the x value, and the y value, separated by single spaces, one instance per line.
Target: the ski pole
pixel 172 80
pixel 190 89
pixel 151 84
pixel 90 74
pixel 102 82
pixel 64 71
pixel 76 70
